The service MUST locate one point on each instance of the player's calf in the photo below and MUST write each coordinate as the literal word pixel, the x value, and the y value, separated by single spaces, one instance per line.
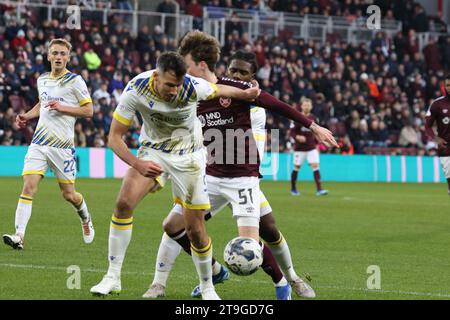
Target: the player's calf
pixel 268 229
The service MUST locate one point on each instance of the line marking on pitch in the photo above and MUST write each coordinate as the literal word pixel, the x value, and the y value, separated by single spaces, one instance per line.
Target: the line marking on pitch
pixel 410 293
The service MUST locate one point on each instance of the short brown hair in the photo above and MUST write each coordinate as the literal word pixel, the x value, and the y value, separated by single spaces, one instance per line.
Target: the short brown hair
pixel 202 47
pixel 60 41
pixel 172 61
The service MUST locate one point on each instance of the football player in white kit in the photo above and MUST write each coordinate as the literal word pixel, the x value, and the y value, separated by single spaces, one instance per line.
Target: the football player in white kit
pixel 171 143
pixel 63 97
pixel 169 248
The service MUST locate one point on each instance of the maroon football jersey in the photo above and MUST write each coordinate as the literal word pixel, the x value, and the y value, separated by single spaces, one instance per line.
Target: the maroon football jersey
pixel 439 112
pixel 300 130
pixel 227 133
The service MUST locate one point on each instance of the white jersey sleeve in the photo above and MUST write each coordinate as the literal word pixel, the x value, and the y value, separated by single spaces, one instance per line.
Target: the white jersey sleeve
pixel 81 91
pixel 204 90
pixel 126 108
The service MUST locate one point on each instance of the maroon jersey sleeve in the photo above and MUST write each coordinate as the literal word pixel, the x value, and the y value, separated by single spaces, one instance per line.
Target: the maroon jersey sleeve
pixel 267 101
pixel 429 121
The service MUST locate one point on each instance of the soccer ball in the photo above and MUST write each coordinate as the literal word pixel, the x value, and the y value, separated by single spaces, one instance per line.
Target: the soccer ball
pixel 243 256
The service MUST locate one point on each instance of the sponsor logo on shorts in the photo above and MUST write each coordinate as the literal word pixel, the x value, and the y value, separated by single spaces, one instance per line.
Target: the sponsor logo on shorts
pixel 250 210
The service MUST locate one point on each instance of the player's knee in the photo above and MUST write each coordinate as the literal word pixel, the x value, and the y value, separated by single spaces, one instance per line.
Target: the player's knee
pixel 314 166
pixel 168 226
pixel 69 196
pixel 123 206
pixel 29 189
pixel 195 233
pixel 296 168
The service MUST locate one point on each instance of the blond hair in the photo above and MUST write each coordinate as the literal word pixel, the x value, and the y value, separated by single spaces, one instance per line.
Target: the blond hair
pixel 305 100
pixel 60 41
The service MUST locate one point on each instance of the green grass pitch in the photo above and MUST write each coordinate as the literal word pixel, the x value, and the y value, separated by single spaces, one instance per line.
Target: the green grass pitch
pixel 402 228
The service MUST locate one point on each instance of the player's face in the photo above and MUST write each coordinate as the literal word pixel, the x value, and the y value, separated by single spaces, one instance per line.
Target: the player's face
pixel 240 70
pixel 306 107
pixel 167 85
pixel 58 56
pixel 193 68
pixel 447 86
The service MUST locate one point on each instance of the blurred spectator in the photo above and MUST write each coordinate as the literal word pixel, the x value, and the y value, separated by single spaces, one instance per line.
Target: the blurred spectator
pixel 167 6
pixel 432 54
pixel 124 5
pixel 91 58
pixel 195 9
pixel 409 137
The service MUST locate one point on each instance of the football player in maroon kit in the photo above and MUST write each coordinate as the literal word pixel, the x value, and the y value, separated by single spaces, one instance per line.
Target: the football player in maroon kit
pixel 439 112
pixel 234 182
pixel 305 148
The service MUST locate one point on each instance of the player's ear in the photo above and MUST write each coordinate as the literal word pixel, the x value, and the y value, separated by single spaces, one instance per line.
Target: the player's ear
pixel 203 65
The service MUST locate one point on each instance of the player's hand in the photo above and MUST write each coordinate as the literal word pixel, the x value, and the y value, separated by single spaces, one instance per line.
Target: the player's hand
pixel 300 139
pixel 323 135
pixel 21 121
pixel 441 142
pixel 55 105
pixel 148 169
pixel 253 92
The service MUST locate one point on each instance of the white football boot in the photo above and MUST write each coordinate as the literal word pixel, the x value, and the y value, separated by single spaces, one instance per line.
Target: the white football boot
pixel 13 240
pixel 210 294
pixel 156 290
pixel 88 230
pixel 108 285
pixel 302 289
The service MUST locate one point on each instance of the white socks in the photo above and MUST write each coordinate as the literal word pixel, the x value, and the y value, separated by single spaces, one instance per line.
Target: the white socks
pixel 119 238
pixel 168 252
pixel 82 209
pixel 23 213
pixel 202 259
pixel 282 254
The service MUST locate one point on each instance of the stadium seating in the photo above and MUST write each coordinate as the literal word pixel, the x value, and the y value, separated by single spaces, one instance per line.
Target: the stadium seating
pixel 386 62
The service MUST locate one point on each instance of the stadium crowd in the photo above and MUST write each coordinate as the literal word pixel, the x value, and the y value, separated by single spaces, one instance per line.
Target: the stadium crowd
pixel 373 97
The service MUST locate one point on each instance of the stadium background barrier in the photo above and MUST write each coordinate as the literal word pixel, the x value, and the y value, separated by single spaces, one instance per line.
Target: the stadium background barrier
pixel 103 163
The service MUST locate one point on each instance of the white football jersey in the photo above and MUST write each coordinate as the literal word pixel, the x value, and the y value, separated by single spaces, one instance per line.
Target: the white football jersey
pixel 258 123
pixel 171 127
pixel 55 129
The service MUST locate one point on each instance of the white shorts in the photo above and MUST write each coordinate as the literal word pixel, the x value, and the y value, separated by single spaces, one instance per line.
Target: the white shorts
pixel 264 206
pixel 235 193
pixel 445 161
pixel 187 173
pixel 311 156
pixel 61 161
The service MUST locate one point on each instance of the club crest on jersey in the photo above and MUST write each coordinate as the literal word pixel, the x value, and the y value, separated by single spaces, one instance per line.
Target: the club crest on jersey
pixel 225 102
pixel 202 120
pixel 151 103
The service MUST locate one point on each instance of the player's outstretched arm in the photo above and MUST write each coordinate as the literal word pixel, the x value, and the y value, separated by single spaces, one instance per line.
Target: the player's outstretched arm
pixel 148 169
pixel 23 118
pixel 249 94
pixel 322 135
pixel 86 110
